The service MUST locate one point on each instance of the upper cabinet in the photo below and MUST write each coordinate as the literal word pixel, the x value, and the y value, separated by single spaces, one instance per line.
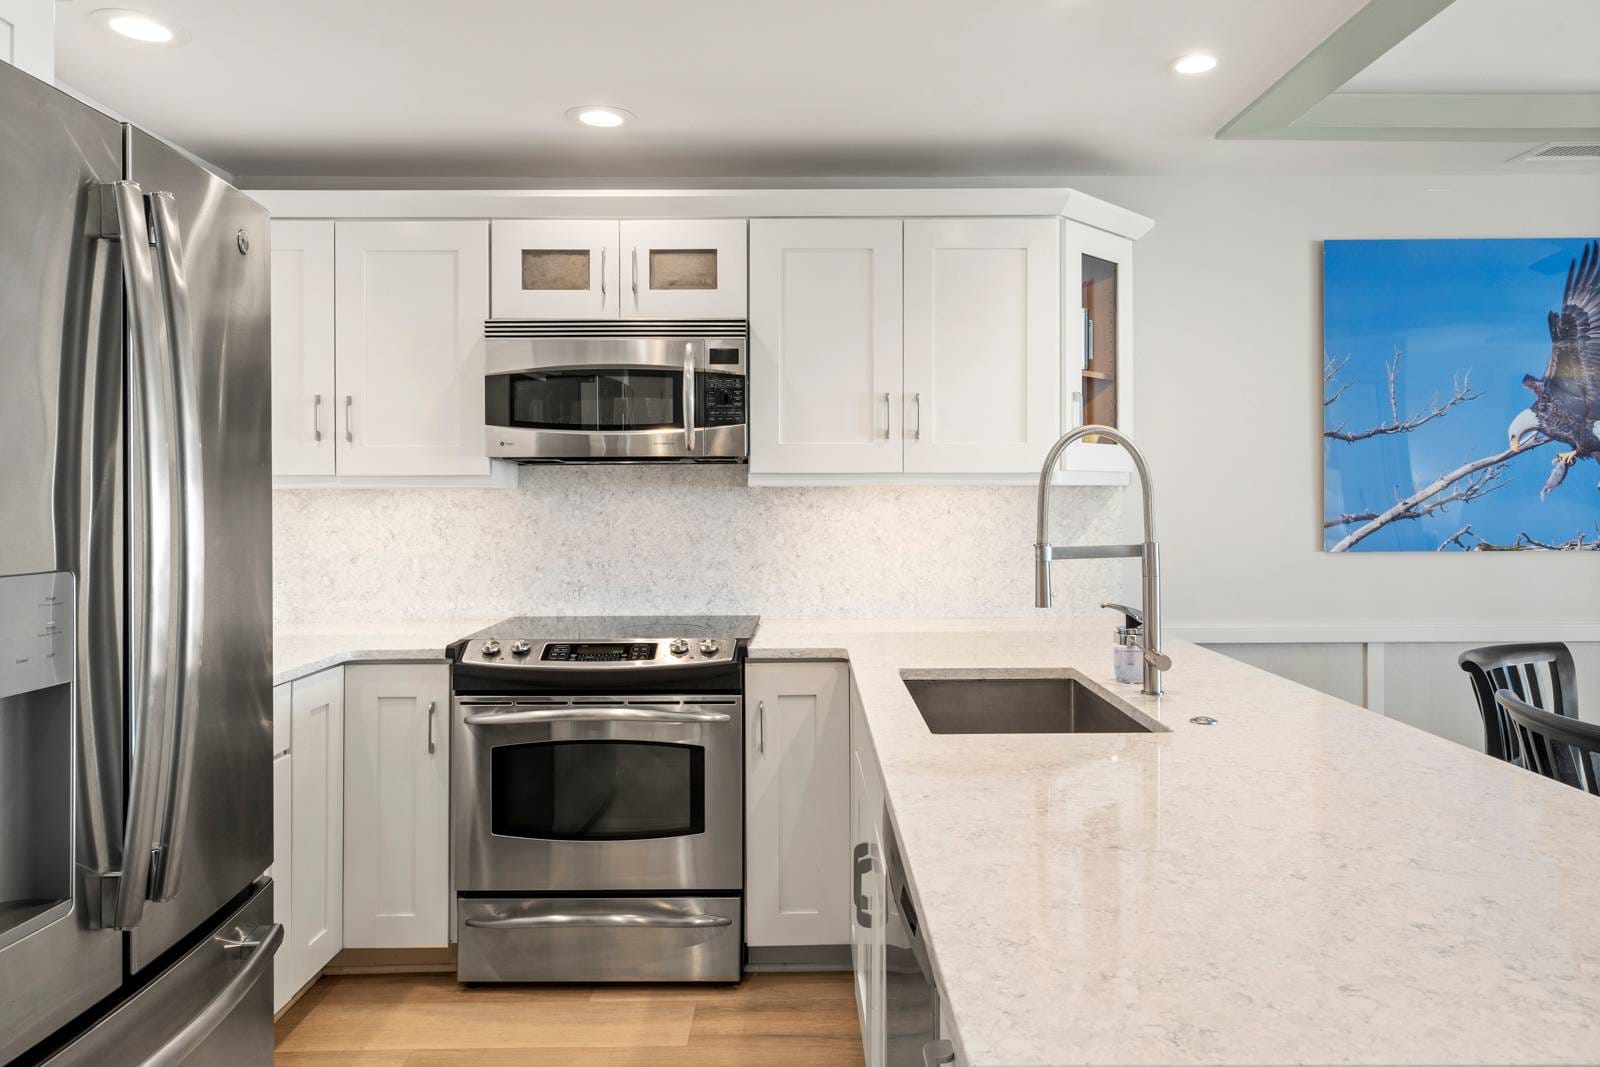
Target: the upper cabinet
pixel 411 298
pixel 983 344
pixel 28 36
pixel 302 348
pixel 825 346
pixel 685 269
pixel 556 269
pixel 1099 375
pixel 377 350
pixel 605 269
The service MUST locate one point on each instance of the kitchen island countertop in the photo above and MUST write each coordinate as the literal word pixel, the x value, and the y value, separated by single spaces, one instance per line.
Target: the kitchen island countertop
pixel 1303 882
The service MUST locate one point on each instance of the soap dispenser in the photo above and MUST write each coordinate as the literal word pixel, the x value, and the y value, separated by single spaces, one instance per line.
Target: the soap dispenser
pixel 1126 660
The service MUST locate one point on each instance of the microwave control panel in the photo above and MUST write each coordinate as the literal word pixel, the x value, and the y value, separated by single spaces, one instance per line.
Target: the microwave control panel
pixel 721 400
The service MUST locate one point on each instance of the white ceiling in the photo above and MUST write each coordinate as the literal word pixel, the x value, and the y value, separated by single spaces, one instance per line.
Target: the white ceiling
pixel 1494 46
pixel 413 92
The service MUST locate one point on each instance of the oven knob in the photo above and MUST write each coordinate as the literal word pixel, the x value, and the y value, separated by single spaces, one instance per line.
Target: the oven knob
pixel 491 647
pixel 709 647
pixel 521 648
pixel 678 647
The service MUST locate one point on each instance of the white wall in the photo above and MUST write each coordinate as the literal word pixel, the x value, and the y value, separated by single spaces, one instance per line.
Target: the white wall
pixel 1229 382
pixel 612 540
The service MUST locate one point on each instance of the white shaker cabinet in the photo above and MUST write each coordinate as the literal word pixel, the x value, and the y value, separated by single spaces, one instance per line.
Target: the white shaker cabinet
pixel 282 874
pixel 302 348
pixel 316 827
pixel 397 804
pixel 982 343
pixel 797 795
pixel 411 298
pixel 825 346
pixel 28 36
pixel 684 269
pixel 556 269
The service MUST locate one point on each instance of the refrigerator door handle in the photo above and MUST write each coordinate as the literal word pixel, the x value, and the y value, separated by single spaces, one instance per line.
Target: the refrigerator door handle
pixel 189 551
pixel 152 534
pixel 261 943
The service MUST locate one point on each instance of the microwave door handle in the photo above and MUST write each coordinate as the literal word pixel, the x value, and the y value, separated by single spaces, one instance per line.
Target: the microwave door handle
pixel 190 551
pixel 688 396
pixel 152 536
pixel 530 716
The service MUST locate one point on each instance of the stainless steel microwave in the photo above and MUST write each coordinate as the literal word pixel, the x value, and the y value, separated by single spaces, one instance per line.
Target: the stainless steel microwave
pixel 586 392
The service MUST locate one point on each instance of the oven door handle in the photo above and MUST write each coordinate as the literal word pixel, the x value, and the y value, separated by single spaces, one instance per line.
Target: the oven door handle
pixel 682 920
pixel 530 716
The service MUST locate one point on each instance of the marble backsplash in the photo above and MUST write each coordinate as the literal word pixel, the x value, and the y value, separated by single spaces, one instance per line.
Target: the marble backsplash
pixel 643 539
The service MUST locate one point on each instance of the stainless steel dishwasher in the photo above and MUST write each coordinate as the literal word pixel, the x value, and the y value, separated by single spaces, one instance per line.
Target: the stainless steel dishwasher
pixel 911 998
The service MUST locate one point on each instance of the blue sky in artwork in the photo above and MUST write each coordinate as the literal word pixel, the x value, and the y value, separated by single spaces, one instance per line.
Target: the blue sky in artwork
pixel 1450 307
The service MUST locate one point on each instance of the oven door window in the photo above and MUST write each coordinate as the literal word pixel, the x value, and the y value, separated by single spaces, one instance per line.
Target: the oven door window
pixel 598 790
pixel 604 400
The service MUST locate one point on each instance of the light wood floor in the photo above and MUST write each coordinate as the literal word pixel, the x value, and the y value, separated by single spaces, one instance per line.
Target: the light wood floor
pixel 418 1020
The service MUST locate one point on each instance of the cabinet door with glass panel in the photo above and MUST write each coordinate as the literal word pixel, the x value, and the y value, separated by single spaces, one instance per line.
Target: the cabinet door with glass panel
pixel 683 269
pixel 555 269
pixel 1098 377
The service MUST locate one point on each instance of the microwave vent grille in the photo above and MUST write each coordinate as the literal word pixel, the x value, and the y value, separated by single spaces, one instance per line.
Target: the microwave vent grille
pixel 580 328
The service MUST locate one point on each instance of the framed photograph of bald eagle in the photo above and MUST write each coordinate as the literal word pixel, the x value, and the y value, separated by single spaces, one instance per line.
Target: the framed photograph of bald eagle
pixel 1461 395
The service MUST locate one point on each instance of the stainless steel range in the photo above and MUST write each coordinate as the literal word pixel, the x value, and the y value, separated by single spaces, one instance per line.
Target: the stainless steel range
pixel 597 799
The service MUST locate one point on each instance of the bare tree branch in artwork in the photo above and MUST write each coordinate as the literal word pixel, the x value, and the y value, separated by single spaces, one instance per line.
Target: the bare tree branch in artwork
pixel 1473 484
pixel 1408 507
pixel 1331 369
pixel 1461 392
pixel 1470 481
pixel 1468 541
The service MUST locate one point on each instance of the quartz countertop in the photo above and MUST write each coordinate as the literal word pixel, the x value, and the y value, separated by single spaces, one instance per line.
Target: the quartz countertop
pixel 298 651
pixel 301 650
pixel 1304 882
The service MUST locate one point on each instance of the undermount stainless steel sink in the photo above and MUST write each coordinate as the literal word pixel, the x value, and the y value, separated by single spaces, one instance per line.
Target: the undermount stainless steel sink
pixel 979 704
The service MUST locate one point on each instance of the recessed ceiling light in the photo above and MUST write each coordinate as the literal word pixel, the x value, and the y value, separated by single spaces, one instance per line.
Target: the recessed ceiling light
pixel 137 26
pixel 599 115
pixel 1194 63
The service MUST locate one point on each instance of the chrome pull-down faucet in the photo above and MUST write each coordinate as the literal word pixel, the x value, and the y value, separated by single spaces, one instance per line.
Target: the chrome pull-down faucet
pixel 1155 661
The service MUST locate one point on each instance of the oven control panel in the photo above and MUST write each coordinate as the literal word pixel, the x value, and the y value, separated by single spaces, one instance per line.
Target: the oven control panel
pixel 624 654
pixel 599 652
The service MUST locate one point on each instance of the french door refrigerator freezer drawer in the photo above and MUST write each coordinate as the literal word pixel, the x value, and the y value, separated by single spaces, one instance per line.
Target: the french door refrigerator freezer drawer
pixel 212 1007
pixel 599 939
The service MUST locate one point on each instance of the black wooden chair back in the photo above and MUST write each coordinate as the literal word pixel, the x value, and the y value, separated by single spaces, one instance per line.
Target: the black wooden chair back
pixel 1541 675
pixel 1553 745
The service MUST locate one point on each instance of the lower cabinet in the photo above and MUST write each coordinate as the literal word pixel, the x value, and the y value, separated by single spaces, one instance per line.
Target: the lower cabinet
pixel 797 817
pixel 397 806
pixel 312 881
pixel 361 802
pixel 282 872
pixel 869 890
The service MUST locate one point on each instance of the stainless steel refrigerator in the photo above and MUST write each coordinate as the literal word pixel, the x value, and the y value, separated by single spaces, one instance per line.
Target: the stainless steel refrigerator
pixel 135 598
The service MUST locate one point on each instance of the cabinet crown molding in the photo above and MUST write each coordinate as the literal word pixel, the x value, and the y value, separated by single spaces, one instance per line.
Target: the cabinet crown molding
pixel 701 203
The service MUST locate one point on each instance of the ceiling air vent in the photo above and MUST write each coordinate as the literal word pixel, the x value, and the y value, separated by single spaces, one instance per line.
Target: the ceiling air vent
pixel 1558 153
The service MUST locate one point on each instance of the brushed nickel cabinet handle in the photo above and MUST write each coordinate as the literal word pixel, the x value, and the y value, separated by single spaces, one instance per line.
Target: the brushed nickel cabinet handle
pixel 602 276
pixel 349 427
pixel 316 417
pixel 761 727
pixel 636 278
pixel 431 706
pixel 916 401
pixel 886 416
